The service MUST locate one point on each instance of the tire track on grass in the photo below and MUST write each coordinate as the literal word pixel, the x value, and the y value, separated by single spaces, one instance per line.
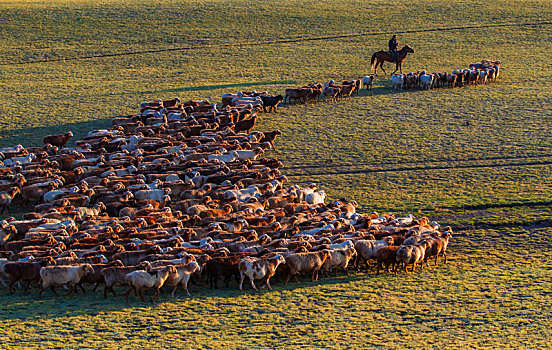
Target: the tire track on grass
pixel 278 41
pixel 445 160
pixel 419 168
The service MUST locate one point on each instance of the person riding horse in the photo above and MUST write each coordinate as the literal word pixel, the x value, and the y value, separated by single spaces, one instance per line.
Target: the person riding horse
pixel 393 47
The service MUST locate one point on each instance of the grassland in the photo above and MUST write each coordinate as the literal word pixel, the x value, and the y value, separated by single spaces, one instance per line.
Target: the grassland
pixel 477 158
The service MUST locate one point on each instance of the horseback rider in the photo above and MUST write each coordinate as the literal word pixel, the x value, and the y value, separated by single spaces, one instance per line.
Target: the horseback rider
pixel 393 47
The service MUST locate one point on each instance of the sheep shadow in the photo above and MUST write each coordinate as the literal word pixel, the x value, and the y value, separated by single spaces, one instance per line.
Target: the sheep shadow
pixel 30 137
pixel 26 306
pixel 219 86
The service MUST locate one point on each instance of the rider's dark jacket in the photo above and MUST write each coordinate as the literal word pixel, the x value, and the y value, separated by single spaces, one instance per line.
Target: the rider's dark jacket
pixel 393 44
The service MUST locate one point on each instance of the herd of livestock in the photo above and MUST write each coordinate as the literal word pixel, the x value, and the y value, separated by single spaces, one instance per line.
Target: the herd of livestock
pixel 477 74
pixel 179 192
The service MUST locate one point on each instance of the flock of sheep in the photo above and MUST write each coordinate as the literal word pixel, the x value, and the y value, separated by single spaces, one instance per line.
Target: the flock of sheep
pixel 182 191
pixel 329 90
pixel 478 73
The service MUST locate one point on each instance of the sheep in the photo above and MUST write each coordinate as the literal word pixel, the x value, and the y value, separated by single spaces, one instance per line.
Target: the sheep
pixel 116 275
pixel 27 271
pixel 63 275
pixel 96 276
pixel 305 262
pixel 58 140
pixel 130 258
pixel 226 158
pixel 368 81
pixel 412 254
pixel 367 249
pixel 397 81
pixel 271 102
pixel 245 125
pixel 222 266
pixel 316 197
pixel 343 245
pixel 81 212
pixel 296 94
pixel 259 268
pixel 270 137
pixel 331 92
pixel 155 278
pixel 482 78
pixel 346 90
pixel 35 193
pixel 426 81
pixel 28 159
pixel 182 276
pixel 248 154
pixel 159 195
pixel 6 198
pixel 339 258
pixel 385 257
pixel 120 172
pixel 51 196
pixel 242 195
pixel 437 246
pixel 3 262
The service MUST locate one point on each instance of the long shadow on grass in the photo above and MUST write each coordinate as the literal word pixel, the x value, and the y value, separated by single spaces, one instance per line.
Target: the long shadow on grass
pixel 22 306
pixel 33 136
pixel 218 86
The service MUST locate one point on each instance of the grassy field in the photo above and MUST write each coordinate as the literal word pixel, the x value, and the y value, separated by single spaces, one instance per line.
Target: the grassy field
pixel 477 158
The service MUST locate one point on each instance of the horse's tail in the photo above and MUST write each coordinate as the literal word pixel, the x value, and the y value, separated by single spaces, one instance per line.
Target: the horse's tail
pixel 373 61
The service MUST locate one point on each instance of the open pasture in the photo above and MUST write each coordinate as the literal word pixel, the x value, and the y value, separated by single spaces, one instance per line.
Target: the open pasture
pixel 476 158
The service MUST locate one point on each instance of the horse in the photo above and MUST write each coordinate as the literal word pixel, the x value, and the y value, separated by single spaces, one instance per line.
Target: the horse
pixel 378 58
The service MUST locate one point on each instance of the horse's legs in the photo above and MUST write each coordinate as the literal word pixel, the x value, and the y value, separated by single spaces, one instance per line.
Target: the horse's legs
pixel 381 66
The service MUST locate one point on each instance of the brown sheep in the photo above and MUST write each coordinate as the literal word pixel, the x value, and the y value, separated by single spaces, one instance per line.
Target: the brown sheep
pixel 245 125
pixel 338 259
pixel 386 257
pixel 270 137
pixel 305 262
pixel 57 140
pixel 25 271
pixel 6 198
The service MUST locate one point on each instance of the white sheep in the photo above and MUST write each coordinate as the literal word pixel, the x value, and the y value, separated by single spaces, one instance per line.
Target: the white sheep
pixel 342 245
pixel 158 195
pixel 120 172
pixel 182 276
pixel 140 280
pixel 63 275
pixel 398 81
pixel 426 81
pixel 316 197
pixel 226 158
pixel 243 194
pixel 249 154
pixel 368 81
pixel 338 259
pixel 28 159
pixel 367 249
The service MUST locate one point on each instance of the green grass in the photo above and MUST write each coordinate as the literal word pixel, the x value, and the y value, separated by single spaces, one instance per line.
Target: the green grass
pixel 493 293
pixel 477 158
